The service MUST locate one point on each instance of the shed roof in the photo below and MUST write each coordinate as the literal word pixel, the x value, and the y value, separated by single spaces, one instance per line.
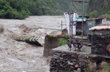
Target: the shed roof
pixel 95 18
pixel 100 27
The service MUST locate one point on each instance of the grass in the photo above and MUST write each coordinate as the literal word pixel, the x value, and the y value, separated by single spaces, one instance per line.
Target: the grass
pixel 54 36
pixel 63 41
pixel 108 16
pixel 107 69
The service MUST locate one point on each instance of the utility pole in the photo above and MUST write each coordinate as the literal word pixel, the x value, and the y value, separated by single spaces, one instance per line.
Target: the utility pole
pixel 83 20
pixel 83 3
pixel 71 25
pixel 73 6
pixel 71 21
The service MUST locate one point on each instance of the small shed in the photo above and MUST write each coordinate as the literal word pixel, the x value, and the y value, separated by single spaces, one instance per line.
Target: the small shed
pixel 101 40
pixel 90 22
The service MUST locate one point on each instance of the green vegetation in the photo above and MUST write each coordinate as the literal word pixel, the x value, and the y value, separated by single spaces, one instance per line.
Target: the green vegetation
pixel 54 36
pixel 93 14
pixel 19 9
pixel 78 7
pixel 64 32
pixel 107 70
pixel 99 8
pixel 13 9
pixel 63 41
pixel 107 16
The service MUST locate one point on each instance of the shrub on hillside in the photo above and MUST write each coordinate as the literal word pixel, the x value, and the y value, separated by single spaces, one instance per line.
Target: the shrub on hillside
pixel 107 69
pixel 63 41
pixel 94 14
pixel 107 16
pixel 7 11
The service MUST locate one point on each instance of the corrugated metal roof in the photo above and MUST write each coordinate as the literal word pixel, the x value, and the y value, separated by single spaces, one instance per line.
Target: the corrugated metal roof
pixel 95 18
pixel 100 27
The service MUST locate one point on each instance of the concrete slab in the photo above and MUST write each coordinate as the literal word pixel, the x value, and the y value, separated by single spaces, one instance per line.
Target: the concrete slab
pixel 85 49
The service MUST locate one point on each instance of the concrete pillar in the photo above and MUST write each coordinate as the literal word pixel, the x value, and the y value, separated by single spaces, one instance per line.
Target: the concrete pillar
pixel 50 43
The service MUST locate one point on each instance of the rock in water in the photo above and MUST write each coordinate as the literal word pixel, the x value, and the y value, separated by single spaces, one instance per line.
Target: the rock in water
pixel 1 28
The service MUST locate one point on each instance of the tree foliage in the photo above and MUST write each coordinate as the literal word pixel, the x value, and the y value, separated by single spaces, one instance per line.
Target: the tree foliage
pixel 101 6
pixel 93 14
pixel 19 9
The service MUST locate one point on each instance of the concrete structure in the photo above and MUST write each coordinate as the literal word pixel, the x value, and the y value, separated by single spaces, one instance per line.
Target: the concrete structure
pixel 50 43
pixel 88 24
pixel 64 60
pixel 68 18
pixel 101 40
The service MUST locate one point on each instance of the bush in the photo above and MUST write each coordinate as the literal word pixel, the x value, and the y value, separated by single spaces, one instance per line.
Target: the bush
pixel 20 9
pixel 7 11
pixel 94 14
pixel 63 41
pixel 107 16
pixel 107 70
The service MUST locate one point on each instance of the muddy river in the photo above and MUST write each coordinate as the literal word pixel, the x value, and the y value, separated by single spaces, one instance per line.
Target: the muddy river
pixel 22 57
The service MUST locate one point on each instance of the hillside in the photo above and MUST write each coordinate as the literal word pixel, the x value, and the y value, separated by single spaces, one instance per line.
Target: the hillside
pixel 79 7
pixel 99 8
pixel 94 8
pixel 19 9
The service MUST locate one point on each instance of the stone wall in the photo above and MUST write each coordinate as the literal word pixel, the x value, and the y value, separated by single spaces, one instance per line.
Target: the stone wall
pixel 72 62
pixel 96 64
pixel 67 62
pixel 99 44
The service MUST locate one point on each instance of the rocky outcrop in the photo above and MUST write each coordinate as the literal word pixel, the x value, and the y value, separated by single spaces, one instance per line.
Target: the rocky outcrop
pixel 1 28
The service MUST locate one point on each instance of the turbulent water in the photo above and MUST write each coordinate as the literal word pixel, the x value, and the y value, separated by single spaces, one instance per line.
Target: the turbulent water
pixel 19 56
pixel 22 57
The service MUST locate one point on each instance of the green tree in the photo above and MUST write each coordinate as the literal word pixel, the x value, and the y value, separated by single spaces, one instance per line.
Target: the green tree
pixel 19 9
pixel 93 14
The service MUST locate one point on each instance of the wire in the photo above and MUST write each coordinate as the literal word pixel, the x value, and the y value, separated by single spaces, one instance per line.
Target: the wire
pixel 78 6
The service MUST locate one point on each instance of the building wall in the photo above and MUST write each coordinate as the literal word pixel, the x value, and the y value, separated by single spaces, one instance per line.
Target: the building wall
pixel 88 24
